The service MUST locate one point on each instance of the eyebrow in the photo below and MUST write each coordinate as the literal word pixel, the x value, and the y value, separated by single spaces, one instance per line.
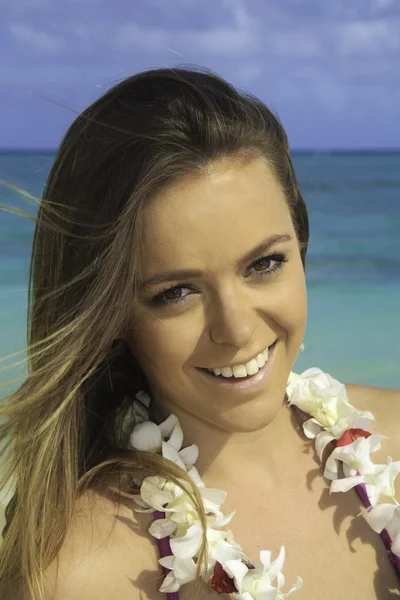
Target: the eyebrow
pixel 182 274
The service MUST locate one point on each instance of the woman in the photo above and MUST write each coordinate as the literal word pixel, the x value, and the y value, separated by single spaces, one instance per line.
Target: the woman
pixel 169 262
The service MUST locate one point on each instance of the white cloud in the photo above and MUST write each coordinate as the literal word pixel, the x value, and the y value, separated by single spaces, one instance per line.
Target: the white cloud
pixel 91 32
pixel 218 41
pixel 39 39
pixel 368 37
pixel 239 37
pixel 383 3
pixel 296 43
pixel 130 36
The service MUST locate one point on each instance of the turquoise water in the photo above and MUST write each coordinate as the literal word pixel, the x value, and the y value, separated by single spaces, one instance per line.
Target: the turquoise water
pixel 353 261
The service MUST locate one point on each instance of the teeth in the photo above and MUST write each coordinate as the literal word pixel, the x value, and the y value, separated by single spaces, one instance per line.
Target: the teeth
pixel 250 368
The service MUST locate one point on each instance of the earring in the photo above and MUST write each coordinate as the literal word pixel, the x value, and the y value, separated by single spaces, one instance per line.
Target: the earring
pixel 302 347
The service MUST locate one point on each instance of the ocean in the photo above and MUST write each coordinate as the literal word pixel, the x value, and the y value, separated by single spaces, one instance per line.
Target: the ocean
pixel 353 261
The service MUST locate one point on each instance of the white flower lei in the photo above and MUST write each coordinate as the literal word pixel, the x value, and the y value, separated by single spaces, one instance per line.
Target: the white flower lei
pixel 333 419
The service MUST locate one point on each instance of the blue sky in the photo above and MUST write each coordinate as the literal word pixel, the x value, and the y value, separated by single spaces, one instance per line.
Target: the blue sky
pixel 329 68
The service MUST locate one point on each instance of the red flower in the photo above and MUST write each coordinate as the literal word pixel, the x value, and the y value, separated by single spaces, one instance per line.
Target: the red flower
pixel 351 435
pixel 221 582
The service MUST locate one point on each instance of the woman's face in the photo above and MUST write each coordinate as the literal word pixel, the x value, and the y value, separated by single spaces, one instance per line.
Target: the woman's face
pixel 233 307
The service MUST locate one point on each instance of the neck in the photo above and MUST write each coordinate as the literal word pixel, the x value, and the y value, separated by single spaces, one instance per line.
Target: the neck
pixel 267 452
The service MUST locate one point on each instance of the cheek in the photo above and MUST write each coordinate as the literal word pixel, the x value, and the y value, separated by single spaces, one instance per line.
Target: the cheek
pixel 166 346
pixel 293 301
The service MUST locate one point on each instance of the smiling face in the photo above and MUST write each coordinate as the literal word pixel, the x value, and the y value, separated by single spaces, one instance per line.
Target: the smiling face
pixel 233 307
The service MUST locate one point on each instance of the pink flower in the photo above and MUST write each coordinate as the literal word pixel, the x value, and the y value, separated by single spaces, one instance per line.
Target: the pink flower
pixel 351 435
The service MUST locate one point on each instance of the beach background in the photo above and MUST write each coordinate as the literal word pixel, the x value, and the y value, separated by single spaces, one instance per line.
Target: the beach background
pixel 353 262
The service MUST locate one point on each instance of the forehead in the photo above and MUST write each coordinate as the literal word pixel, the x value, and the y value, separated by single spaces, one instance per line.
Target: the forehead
pixel 212 217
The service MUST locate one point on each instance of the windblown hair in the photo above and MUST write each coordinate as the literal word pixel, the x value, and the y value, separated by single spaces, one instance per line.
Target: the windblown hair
pixel 58 429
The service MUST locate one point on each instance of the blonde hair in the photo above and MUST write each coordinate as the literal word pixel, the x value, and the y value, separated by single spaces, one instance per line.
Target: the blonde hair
pixel 55 429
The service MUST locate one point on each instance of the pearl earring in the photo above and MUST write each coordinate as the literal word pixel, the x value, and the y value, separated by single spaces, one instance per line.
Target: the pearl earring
pixel 302 347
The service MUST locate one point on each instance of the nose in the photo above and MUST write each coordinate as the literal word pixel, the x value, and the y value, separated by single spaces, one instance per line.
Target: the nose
pixel 233 323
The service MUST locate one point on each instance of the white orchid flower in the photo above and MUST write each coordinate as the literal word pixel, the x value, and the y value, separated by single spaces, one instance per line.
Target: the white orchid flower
pixel 182 514
pixel 222 548
pixel 165 439
pixel 146 436
pixel 387 516
pixel 182 571
pixel 379 481
pixel 353 420
pixel 256 584
pixel 325 398
pixel 153 493
pixel 317 394
pixel 183 568
pixel 356 456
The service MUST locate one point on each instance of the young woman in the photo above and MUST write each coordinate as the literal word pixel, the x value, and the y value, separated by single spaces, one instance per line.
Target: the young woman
pixel 168 266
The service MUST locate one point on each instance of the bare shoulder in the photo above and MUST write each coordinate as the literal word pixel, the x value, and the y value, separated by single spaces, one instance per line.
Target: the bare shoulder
pixel 384 404
pixel 107 554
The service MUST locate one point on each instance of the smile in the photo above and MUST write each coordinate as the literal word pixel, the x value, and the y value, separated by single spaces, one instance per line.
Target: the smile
pixel 242 380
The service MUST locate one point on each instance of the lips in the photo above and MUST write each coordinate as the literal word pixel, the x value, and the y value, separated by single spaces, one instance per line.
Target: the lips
pixel 243 378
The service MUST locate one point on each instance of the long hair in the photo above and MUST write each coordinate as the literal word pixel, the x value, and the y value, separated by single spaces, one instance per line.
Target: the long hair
pixel 59 428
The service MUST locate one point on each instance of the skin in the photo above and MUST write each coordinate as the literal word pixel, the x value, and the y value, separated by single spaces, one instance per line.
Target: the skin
pixel 209 222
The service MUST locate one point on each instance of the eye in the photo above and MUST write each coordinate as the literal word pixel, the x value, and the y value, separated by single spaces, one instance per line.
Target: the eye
pixel 162 298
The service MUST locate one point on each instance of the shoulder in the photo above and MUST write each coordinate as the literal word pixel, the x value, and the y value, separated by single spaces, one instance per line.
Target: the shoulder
pixel 384 404
pixel 107 554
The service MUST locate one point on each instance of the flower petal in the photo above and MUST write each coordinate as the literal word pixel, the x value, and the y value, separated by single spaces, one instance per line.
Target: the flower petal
pixel 146 436
pixel 176 438
pixel 296 586
pixel 187 545
pixel 213 495
pixel 194 474
pixel 237 570
pixel 189 455
pixel 331 467
pixel 161 528
pixel 363 420
pixel 276 565
pixel 396 545
pixel 321 441
pixel 167 426
pixel 311 428
pixel 223 551
pixel 170 584
pixel 380 515
pixel 152 493
pixel 344 485
pixel 244 596
pixel 171 454
pixel 348 471
pixel 183 571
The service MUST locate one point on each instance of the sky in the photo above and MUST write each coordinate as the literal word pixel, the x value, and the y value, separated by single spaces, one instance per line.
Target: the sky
pixel 330 69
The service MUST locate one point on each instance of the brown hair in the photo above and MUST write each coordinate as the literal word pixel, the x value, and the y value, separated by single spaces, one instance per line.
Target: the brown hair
pixel 143 133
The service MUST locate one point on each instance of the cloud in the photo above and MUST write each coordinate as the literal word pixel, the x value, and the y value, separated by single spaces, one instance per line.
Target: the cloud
pixel 241 35
pixel 301 43
pixel 39 39
pixel 369 37
pixel 383 3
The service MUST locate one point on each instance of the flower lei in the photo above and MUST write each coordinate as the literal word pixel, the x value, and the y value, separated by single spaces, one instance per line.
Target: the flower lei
pixel 177 525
